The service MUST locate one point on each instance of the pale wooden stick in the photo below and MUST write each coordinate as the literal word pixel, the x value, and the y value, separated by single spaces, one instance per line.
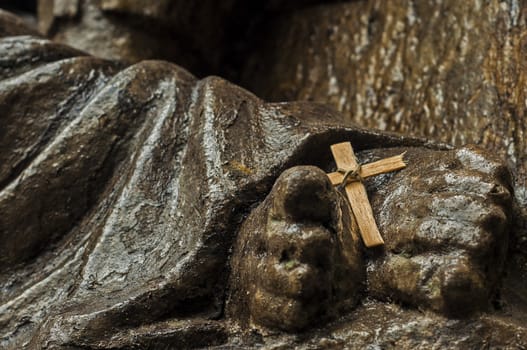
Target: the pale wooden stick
pixel 358 198
pixel 371 169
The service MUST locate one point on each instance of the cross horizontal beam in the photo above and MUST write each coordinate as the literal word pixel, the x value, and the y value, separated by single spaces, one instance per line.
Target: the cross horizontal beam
pixel 374 168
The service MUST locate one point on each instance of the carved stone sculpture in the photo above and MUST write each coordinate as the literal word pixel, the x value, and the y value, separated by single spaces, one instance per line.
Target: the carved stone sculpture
pixel 142 207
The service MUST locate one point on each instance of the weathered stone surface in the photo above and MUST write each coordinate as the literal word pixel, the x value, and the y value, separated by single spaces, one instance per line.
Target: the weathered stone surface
pixel 376 325
pixel 451 71
pixel 124 197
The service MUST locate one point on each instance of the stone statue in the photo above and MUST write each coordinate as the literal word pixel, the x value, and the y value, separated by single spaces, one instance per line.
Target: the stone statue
pixel 144 208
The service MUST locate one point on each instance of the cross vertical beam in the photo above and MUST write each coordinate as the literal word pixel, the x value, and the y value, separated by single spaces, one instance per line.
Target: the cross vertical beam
pixel 358 198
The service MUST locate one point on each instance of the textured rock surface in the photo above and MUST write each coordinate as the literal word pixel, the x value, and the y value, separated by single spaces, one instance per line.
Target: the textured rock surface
pixel 452 71
pixel 376 325
pixel 123 190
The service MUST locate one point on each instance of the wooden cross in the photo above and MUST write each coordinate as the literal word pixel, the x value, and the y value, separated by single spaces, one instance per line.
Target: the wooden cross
pixel 355 190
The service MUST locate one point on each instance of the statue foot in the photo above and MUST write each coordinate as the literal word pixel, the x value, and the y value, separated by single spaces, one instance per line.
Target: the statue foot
pixel 296 261
pixel 445 219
